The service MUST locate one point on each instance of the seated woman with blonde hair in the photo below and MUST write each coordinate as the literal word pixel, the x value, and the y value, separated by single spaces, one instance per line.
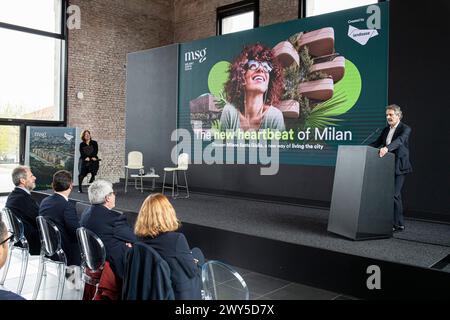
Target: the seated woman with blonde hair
pixel 156 225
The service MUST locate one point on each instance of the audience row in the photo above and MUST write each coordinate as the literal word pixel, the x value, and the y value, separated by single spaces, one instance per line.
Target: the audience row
pixel 156 226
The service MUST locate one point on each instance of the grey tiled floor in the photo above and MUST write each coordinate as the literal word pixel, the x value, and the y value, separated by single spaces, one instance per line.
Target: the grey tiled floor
pixel 48 285
pixel 263 287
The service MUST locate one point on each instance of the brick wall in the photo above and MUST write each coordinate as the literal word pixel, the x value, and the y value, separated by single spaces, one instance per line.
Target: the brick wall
pixel 196 19
pixel 96 57
pixel 275 11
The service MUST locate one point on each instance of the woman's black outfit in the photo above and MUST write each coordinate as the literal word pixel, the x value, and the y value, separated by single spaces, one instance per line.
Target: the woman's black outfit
pixel 84 167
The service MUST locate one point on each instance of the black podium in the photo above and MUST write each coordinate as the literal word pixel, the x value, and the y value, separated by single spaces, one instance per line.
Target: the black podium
pixel 362 203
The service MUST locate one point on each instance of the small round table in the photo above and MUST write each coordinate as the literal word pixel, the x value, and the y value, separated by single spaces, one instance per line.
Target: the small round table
pixel 152 176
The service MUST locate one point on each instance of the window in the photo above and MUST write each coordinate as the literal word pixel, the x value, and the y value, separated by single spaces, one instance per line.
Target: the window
pixel 32 76
pixel 32 60
pixel 44 15
pixel 309 8
pixel 238 16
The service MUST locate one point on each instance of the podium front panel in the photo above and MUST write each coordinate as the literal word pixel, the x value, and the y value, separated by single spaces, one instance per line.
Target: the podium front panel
pixel 363 194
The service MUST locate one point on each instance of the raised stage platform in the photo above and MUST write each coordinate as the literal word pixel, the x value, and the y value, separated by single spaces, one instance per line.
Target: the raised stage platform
pixel 291 242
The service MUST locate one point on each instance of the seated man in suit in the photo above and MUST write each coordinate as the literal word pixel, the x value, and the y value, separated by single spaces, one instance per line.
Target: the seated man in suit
pixel 395 138
pixel 4 239
pixel 24 207
pixel 62 213
pixel 109 225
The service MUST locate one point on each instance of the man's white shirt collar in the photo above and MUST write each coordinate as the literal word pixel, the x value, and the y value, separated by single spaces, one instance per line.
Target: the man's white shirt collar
pixel 394 127
pixel 24 189
pixel 391 133
pixel 67 199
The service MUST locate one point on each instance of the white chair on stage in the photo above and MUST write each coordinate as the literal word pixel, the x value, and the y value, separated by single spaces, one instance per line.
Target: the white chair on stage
pixel 135 162
pixel 182 165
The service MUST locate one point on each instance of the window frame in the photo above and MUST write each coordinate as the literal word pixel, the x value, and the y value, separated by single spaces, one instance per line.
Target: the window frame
pixel 302 8
pixel 237 8
pixel 23 123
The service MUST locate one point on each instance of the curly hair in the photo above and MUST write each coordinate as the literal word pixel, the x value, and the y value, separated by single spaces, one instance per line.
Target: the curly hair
pixel 234 87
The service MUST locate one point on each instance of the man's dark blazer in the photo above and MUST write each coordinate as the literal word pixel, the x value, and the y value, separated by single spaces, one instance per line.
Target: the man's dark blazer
pixel 184 272
pixel 113 229
pixel 399 146
pixel 26 209
pixel 64 216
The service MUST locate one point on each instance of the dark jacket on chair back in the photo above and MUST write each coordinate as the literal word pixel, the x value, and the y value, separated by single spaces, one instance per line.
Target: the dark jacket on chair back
pixel 113 229
pixel 399 146
pixel 63 214
pixel 26 209
pixel 147 275
pixel 185 274
pixel 8 295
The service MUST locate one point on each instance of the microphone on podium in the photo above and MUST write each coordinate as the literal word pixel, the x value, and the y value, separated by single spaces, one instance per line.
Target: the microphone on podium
pixel 376 130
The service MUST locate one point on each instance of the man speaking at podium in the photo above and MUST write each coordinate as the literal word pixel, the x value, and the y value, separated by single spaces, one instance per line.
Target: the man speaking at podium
pixel 394 138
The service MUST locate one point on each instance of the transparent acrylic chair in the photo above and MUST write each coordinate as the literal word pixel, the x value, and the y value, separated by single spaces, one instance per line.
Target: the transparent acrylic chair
pixel 51 252
pixel 222 282
pixel 80 207
pixel 93 256
pixel 19 242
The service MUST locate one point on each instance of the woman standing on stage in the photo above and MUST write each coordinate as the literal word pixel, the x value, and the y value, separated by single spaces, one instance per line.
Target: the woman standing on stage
pixel 89 162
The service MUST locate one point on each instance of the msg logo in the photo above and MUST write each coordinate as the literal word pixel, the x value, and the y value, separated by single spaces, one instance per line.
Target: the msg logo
pixel 199 55
pixel 40 134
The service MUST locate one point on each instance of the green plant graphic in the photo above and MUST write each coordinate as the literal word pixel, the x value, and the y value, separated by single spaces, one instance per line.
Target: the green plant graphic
pixel 220 101
pixel 346 94
pixel 217 77
pixel 216 125
pixel 292 80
